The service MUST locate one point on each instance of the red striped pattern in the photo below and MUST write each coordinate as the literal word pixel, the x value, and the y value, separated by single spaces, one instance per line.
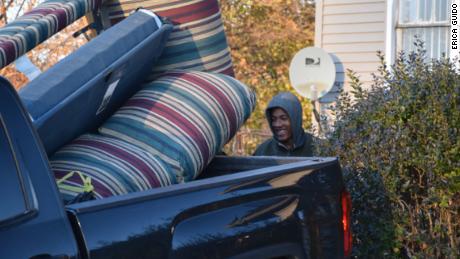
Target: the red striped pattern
pixel 197 24
pixel 114 166
pixel 184 118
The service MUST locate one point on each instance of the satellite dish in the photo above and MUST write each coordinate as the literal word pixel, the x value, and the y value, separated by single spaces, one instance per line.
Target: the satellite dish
pixel 312 73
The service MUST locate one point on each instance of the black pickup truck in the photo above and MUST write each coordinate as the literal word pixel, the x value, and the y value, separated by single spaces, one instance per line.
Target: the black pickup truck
pixel 238 207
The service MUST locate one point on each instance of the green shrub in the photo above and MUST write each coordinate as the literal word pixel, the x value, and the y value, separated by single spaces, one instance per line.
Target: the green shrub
pixel 399 142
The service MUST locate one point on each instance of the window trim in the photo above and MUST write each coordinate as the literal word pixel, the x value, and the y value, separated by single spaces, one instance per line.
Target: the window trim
pixel 27 193
pixel 390 39
pixel 393 27
pixel 422 25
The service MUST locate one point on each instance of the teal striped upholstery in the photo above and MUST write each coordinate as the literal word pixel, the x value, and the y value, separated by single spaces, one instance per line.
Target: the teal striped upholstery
pixel 198 40
pixel 184 118
pixel 115 167
pixel 34 27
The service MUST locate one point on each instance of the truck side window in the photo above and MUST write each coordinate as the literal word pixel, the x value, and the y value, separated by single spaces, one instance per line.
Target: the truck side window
pixel 13 203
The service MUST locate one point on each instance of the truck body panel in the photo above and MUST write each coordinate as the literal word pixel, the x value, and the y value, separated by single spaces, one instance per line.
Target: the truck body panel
pixel 220 216
pixel 41 228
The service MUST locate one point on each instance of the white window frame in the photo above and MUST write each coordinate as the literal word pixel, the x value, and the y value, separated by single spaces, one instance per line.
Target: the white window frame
pixel 391 34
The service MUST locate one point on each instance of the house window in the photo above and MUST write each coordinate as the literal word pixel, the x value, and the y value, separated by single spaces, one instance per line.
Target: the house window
pixel 427 19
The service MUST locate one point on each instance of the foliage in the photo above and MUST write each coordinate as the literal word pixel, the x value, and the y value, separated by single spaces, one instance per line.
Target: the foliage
pixel 263 36
pixel 246 141
pixel 16 78
pixel 59 45
pixel 405 128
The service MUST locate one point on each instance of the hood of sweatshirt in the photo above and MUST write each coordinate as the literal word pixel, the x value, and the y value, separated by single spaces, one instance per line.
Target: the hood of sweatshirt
pixel 291 105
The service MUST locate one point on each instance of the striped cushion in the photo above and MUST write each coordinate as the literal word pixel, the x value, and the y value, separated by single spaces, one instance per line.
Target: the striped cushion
pixel 34 27
pixel 183 117
pixel 115 167
pixel 197 41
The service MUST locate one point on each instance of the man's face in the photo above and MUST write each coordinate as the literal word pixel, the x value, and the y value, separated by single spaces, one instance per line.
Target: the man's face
pixel 281 125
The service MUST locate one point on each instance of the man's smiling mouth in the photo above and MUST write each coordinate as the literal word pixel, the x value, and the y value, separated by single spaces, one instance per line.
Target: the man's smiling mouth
pixel 281 132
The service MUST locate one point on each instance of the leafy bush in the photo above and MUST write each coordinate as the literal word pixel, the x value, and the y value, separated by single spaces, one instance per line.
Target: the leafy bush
pixel 399 143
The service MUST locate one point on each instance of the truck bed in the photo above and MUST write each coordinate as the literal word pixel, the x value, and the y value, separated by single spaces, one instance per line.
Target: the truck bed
pixel 243 207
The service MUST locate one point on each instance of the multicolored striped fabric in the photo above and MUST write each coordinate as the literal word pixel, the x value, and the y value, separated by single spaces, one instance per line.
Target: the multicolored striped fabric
pixel 34 27
pixel 184 118
pixel 198 40
pixel 114 166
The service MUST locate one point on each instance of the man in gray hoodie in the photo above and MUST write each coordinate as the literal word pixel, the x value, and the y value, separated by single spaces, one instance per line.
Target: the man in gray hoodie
pixel 284 115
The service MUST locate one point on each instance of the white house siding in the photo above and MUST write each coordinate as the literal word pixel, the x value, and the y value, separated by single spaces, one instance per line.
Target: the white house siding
pixel 353 31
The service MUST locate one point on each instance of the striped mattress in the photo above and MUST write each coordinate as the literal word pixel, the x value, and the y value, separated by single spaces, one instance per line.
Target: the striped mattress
pixel 184 118
pixel 198 40
pixel 115 167
pixel 34 27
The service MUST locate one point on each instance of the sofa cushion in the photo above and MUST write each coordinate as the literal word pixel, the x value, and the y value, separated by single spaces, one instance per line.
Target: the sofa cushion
pixel 115 167
pixel 197 42
pixel 185 118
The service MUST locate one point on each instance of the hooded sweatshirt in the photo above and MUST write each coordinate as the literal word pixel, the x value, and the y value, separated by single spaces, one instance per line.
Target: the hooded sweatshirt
pixel 302 142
